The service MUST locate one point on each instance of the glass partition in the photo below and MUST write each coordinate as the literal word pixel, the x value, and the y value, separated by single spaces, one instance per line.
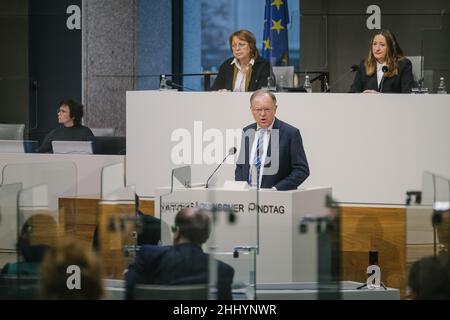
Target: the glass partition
pixel 434 188
pixel 117 229
pixel 8 239
pixel 34 221
pixel 59 177
pixel 233 219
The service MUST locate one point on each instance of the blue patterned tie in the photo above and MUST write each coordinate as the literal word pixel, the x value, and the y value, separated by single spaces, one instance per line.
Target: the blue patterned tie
pixel 258 155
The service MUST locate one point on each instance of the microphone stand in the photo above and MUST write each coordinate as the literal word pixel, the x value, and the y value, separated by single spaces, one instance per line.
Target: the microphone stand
pixel 212 174
pixel 384 69
pixel 173 84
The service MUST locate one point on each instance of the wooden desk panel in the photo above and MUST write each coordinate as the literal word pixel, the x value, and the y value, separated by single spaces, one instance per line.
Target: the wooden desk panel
pixel 382 229
pixel 79 217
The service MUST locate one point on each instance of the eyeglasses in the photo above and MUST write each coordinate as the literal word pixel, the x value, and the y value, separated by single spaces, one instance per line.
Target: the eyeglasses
pixel 261 110
pixel 239 45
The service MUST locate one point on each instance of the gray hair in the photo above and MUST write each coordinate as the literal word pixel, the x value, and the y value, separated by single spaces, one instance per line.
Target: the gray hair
pixel 261 92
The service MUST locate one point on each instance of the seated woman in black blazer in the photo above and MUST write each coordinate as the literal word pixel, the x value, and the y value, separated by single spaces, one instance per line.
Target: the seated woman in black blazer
pixel 385 69
pixel 246 70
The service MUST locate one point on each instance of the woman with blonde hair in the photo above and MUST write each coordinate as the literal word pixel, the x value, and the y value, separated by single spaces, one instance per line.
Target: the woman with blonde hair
pixel 246 70
pixel 385 70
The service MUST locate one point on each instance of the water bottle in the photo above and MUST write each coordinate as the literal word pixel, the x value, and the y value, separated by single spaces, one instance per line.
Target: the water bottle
pixel 442 89
pixel 271 85
pixel 307 84
pixel 163 83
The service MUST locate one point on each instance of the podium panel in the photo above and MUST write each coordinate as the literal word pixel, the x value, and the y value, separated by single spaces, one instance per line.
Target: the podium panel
pixel 284 254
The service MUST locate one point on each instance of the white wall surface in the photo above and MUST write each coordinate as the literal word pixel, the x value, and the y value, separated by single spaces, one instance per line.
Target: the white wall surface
pixel 368 148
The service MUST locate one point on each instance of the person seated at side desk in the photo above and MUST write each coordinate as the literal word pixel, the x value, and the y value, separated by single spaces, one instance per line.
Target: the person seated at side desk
pixel 246 70
pixel 184 262
pixel 70 114
pixel 385 70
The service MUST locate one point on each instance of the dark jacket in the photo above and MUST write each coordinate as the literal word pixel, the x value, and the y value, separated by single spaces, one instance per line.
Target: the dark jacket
pixel 400 83
pixel 293 167
pixel 261 70
pixel 75 133
pixel 177 265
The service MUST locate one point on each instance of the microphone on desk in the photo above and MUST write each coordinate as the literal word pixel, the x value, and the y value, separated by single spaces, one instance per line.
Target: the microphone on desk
pixel 230 152
pixel 170 83
pixel 353 68
pixel 384 69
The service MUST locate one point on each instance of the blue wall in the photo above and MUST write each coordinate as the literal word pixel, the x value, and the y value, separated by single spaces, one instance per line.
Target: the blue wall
pixel 154 42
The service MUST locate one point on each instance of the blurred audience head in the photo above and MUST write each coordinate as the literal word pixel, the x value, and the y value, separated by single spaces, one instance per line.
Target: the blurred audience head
pixel 429 279
pixel 60 276
pixel 191 226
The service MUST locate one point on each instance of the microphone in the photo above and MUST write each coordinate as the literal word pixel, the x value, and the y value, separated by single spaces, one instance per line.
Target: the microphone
pixel 170 83
pixel 353 68
pixel 384 69
pixel 230 152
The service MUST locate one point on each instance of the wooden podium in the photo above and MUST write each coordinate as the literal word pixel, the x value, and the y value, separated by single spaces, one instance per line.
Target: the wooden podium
pixel 285 255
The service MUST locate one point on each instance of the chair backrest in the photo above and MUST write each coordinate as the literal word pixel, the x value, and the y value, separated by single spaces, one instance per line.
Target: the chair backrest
pixel 416 62
pixel 103 132
pixel 171 292
pixel 110 145
pixel 284 76
pixel 11 131
pixel 18 146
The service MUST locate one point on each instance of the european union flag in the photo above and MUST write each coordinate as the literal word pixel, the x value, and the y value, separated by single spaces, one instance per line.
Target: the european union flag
pixel 275 41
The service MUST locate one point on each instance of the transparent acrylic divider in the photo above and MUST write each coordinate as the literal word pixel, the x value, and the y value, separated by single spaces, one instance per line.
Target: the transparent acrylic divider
pixel 233 223
pixel 117 231
pixel 8 239
pixel 233 242
pixel 38 222
pixel 436 193
pixel 329 252
pixel 59 177
pixel 434 188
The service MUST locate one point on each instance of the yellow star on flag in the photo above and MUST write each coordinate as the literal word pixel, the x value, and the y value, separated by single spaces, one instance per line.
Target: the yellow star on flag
pixel 267 44
pixel 277 3
pixel 277 26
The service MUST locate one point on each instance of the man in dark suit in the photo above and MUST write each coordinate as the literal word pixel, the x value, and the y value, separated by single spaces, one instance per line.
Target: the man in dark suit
pixel 184 262
pixel 272 153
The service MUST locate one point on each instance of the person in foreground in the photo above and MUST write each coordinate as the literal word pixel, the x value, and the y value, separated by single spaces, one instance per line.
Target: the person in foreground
pixel 271 151
pixel 385 69
pixel 60 270
pixel 429 278
pixel 70 114
pixel 184 262
pixel 246 70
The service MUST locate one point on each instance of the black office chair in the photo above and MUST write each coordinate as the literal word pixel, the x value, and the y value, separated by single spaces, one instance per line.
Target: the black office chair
pixel 109 145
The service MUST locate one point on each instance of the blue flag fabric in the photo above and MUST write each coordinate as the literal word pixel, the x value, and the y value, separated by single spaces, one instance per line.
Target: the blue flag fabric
pixel 275 41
